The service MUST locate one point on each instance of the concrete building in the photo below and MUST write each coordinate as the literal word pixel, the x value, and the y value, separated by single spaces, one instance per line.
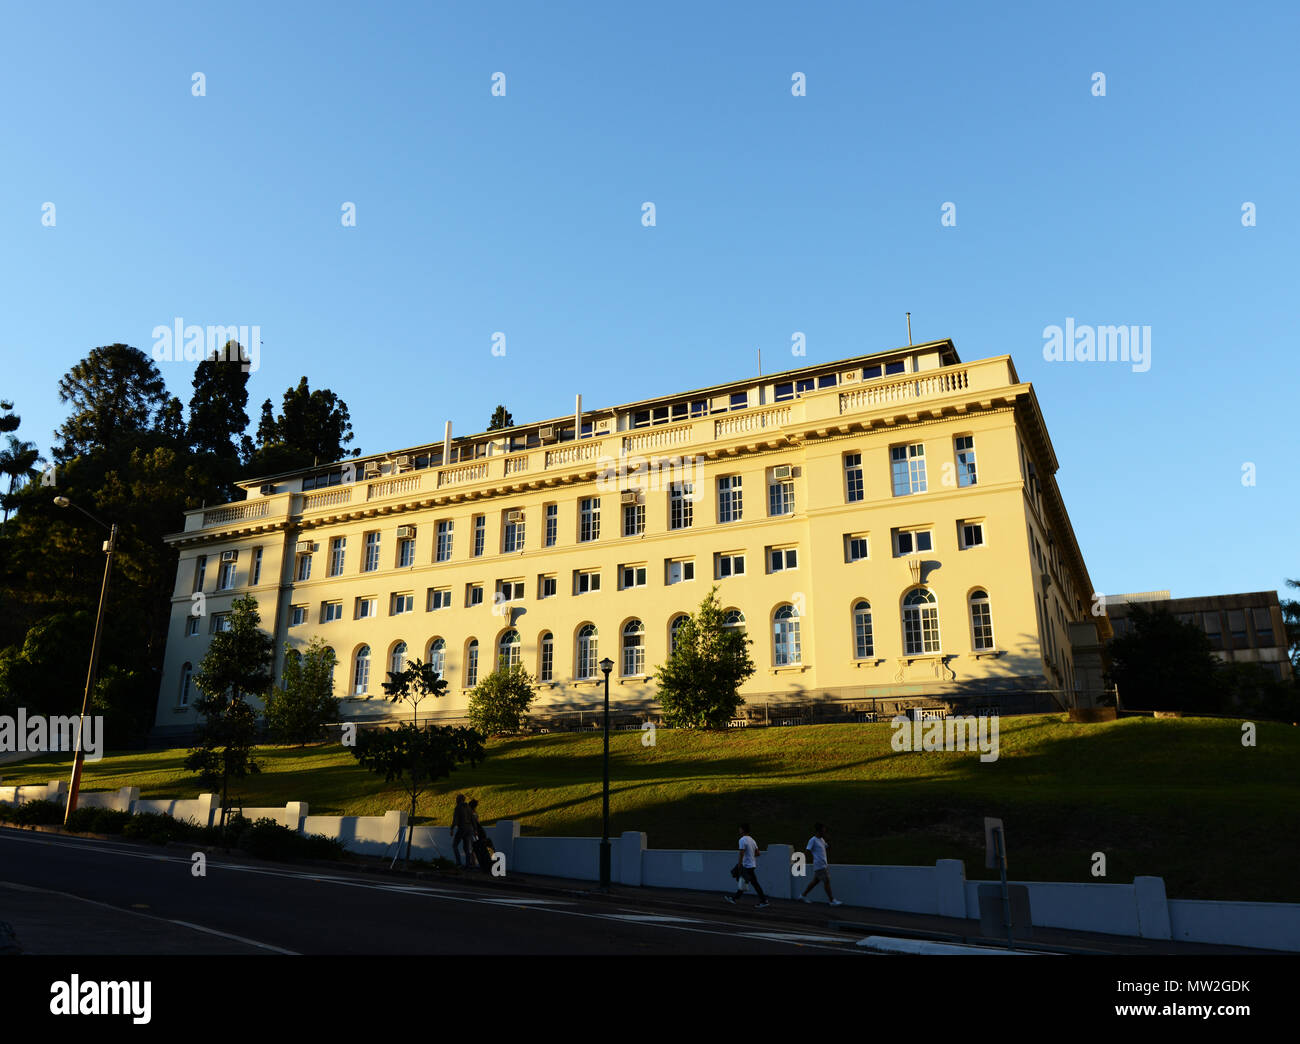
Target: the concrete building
pixel 1242 628
pixel 886 528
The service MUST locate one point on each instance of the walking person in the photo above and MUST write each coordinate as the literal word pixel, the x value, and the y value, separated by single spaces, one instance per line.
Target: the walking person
pixel 747 865
pixel 482 847
pixel 821 868
pixel 462 832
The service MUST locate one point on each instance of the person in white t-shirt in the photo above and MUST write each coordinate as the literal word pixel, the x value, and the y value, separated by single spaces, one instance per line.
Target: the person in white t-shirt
pixel 821 868
pixel 746 867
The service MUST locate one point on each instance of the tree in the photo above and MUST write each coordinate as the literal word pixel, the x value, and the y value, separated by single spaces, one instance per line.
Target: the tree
pixel 1291 620
pixel 500 419
pixel 116 394
pixel 313 427
pixel 298 710
pixel 217 413
pixel 9 420
pixel 417 757
pixel 413 685
pixel 499 703
pixel 699 685
pixel 18 461
pixel 236 667
pixel 1162 663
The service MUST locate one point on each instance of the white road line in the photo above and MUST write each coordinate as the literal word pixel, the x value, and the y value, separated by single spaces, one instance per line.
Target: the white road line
pixel 657 918
pixel 237 938
pixel 794 937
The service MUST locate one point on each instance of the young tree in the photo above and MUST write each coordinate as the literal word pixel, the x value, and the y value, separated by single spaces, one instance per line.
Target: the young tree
pixel 499 703
pixel 1164 664
pixel 417 757
pixel 300 707
pixel 237 667
pixel 500 419
pixel 413 685
pixel 699 685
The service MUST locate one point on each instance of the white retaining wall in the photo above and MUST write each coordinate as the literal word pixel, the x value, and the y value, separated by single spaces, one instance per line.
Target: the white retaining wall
pixel 1138 909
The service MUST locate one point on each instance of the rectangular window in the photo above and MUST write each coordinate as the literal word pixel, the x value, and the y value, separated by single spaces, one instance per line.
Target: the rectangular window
pixel 972 534
pixel 586 582
pixel 681 497
pixel 853 489
pixel 680 570
pixel 473 595
pixel 402 603
pixel 912 541
pixel 632 576
pixel 547 671
pixel 730 506
pixel 191 626
pixel 255 573
pixel 405 552
pixel 220 623
pixel 372 553
pixel 965 447
pixel 782 559
pixel 1263 628
pixel 303 570
pixel 907 464
pixel 546 586
pixel 510 591
pixel 446 530
pixel 780 496
pixel 739 400
pixel 855 547
pixel 512 539
pixel 297 615
pixel 330 611
pixel 480 535
pixel 552 524
pixel 634 518
pixel 226 576
pixel 589 519
pixel 367 608
pixel 981 619
pixel 730 565
pixel 200 571
pixel 1237 626
pixel 439 598
pixel 895 367
pixel 338 550
pixel 783 392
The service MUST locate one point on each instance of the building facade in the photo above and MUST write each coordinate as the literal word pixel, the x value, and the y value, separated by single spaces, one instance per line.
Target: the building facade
pixel 886 529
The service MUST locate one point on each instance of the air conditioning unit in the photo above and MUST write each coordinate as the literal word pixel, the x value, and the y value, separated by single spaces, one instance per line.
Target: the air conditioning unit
pixel 514 516
pixel 305 547
pixel 371 469
pixel 405 532
pixel 228 556
pixel 268 489
pixel 783 471
pixel 404 461
pixel 630 497
pixel 546 433
pixel 605 425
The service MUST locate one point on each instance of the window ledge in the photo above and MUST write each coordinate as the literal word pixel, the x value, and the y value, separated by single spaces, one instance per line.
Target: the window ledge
pixel 180 710
pixel 991 654
pixel 634 678
pixel 793 668
pixel 869 661
pixel 922 657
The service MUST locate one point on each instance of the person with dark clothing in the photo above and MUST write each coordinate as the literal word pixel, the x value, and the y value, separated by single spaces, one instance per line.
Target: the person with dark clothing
pixel 747 865
pixel 462 833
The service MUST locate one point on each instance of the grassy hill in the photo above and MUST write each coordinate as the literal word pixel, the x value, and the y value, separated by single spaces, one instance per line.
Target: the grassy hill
pixel 1178 798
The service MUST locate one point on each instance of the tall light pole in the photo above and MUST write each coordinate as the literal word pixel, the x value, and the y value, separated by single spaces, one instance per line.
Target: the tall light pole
pixel 80 756
pixel 606 665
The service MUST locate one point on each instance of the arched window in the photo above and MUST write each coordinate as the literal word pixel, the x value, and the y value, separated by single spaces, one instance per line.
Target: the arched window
pixel 673 628
pixel 397 658
pixel 633 648
pixel 361 675
pixel 981 621
pixel 438 656
pixel 187 676
pixel 546 658
pixel 471 663
pixel 734 618
pixel 863 640
pixel 586 659
pixel 786 648
pixel 508 650
pixel 920 622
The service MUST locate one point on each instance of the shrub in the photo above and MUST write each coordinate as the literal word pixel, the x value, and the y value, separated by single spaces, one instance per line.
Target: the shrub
pixel 98 821
pixel 33 813
pixel 499 703
pixel 157 828
pixel 267 839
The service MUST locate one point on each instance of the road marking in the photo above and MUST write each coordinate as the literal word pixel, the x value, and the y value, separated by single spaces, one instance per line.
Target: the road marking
pixel 794 937
pixel 654 918
pixel 237 938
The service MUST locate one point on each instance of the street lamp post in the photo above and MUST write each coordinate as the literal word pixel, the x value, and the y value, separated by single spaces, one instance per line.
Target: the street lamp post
pixel 606 665
pixel 80 756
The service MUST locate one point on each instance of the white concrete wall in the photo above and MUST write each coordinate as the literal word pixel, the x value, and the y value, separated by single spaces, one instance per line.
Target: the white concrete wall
pixel 1274 926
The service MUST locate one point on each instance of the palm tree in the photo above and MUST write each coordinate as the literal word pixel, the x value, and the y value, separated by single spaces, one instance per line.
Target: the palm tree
pixel 18 460
pixel 1291 618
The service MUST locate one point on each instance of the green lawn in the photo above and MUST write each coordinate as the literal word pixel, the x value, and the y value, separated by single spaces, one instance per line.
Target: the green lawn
pixel 1178 798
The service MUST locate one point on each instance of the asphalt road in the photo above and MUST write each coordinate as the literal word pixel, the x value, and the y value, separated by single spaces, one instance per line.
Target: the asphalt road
pixel 68 895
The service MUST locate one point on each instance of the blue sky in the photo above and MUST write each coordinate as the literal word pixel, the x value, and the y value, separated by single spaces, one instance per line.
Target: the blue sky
pixel 775 214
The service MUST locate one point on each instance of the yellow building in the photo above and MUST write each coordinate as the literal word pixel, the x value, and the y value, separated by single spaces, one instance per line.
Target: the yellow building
pixel 886 528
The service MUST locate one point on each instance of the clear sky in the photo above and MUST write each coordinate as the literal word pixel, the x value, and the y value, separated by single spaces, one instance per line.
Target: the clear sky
pixel 522 214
